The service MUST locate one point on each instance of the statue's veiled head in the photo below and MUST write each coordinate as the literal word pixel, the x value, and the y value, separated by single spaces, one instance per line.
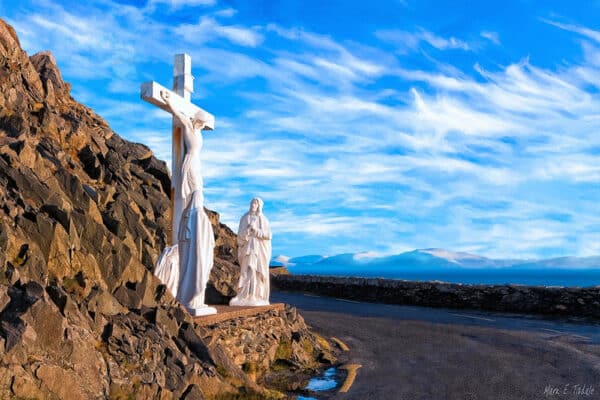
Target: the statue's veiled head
pixel 256 205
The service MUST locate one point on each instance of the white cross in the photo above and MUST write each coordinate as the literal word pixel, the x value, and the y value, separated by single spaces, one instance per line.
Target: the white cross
pixel 183 87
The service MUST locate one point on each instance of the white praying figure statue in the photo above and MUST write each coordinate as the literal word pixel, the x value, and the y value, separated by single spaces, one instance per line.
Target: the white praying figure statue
pixel 254 255
pixel 185 267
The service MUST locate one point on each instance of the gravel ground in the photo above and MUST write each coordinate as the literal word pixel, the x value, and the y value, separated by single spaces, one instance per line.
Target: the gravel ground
pixel 414 357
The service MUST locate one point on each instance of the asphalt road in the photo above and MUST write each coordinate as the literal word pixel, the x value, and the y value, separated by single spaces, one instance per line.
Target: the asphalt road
pixel 411 352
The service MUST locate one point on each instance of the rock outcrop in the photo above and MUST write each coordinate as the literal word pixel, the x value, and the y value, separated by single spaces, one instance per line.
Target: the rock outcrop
pixel 273 348
pixel 84 214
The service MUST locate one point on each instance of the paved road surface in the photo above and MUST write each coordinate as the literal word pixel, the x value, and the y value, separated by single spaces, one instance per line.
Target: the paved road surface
pixel 426 353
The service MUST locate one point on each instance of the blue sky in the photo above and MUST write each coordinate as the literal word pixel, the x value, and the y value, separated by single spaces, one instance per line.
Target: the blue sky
pixel 365 126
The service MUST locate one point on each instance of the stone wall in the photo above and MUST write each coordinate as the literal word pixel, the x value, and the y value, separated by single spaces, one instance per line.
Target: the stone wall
pixel 507 298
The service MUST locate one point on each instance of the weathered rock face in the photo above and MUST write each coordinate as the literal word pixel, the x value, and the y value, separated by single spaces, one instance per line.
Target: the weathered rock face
pixel 84 215
pixel 273 348
pixel 79 197
pixel 222 284
pixel 57 349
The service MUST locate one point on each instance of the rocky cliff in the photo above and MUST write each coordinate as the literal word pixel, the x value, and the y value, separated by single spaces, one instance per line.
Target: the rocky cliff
pixel 84 214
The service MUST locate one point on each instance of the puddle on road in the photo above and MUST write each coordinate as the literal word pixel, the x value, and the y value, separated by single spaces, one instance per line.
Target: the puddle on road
pixel 323 383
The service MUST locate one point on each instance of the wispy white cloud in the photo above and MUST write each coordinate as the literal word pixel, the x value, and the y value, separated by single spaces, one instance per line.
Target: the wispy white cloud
pixel 176 4
pixel 226 12
pixel 315 224
pixel 574 167
pixel 93 45
pixel 491 36
pixel 232 66
pixel 207 29
pixel 323 57
pixel 589 245
pixel 581 30
pixel 412 40
pixel 446 114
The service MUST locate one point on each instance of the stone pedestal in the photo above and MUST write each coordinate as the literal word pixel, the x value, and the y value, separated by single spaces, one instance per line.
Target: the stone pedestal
pixel 200 312
pixel 226 313
pixel 235 302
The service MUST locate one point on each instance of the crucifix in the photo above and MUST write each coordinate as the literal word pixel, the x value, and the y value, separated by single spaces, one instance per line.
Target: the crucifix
pixel 180 99
pixel 185 265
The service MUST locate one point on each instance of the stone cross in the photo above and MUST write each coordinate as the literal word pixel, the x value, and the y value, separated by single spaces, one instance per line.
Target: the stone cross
pixel 183 87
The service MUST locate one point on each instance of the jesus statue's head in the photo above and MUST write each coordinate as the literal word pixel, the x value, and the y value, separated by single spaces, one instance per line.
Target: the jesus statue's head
pixel 198 121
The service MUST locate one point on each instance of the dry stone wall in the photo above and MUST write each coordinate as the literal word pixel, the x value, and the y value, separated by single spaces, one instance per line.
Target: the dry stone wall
pixel 583 302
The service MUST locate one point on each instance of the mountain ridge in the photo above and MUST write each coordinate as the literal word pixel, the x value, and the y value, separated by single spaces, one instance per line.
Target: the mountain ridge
pixel 436 258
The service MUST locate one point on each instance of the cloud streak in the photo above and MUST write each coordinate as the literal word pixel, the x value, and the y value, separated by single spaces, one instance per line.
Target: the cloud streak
pixel 208 29
pixel 413 40
pixel 581 30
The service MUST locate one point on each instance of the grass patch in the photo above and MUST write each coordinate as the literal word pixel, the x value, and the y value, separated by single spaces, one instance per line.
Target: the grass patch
pixel 307 346
pixel 284 350
pixel 224 372
pixel 321 341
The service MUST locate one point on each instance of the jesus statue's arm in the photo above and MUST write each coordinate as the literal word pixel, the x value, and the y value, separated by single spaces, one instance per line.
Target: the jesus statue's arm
pixel 181 117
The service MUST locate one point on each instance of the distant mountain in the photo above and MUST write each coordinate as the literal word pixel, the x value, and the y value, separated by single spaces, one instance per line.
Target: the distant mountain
pixel 468 260
pixel 284 261
pixel 311 259
pixel 427 259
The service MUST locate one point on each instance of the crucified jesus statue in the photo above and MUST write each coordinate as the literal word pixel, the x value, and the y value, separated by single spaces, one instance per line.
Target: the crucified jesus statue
pixel 185 265
pixel 196 240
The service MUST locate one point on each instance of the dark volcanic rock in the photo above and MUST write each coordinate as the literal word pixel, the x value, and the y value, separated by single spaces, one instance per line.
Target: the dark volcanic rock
pixel 22 297
pixel 224 277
